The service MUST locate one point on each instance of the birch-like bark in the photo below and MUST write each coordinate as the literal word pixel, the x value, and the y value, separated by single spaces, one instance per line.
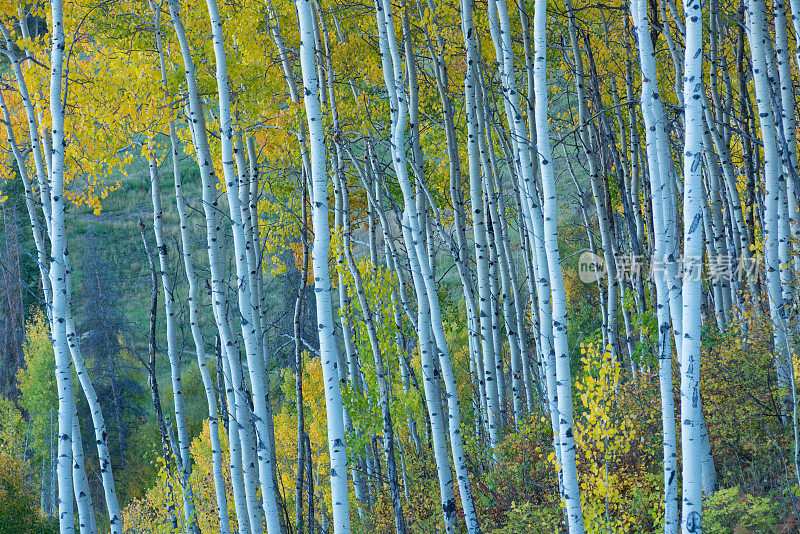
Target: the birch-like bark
pixel 353 366
pixel 255 361
pixel 430 372
pixel 509 294
pixel 635 149
pixel 322 283
pixel 789 108
pixel 491 171
pixel 248 191
pixel 167 446
pixel 98 421
pixel 570 487
pixel 458 246
pixel 494 308
pixel 197 337
pixel 196 117
pixel 60 303
pixel 431 377
pixel 788 135
pixel 182 454
pixel 349 363
pixel 380 369
pixel 83 495
pixel 53 489
pixel 772 176
pixel 708 232
pixel 57 301
pixel 169 303
pixel 649 95
pixel 693 198
pixel 425 282
pixel 393 262
pixel 587 136
pixel 37 147
pixel 531 211
pixel 479 230
pixel 240 439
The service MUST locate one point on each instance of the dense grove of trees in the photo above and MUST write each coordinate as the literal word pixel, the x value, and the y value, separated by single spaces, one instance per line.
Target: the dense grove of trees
pixel 420 266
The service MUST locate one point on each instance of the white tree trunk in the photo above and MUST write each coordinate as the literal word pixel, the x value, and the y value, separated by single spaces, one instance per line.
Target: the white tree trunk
pixel 693 199
pixel 255 361
pixel 648 95
pixel 570 489
pixel 322 283
pixel 509 294
pixel 430 378
pixel 60 303
pixel 183 455
pixel 479 233
pixel 39 241
pixel 197 337
pixel 398 104
pixel 772 176
pixel 248 515
pixel 83 496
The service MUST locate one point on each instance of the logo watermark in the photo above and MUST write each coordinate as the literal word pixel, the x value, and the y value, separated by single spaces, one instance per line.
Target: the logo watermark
pixel 591 268
pixel 719 268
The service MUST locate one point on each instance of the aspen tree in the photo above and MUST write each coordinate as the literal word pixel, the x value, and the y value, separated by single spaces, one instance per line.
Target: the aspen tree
pixel 182 454
pixel 772 178
pixel 458 246
pixel 255 360
pixel 84 501
pixel 569 474
pixel 424 278
pixel 509 293
pixel 587 135
pixel 490 380
pixel 298 368
pixel 60 302
pixel 649 95
pixel 322 284
pixel 83 495
pixel 233 373
pixel 691 408
pixel 380 369
pixel 197 337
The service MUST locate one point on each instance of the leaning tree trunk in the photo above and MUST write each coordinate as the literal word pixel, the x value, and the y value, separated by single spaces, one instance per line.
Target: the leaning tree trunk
pixel 83 496
pixel 77 358
pixel 384 390
pixel 393 78
pixel 240 409
pixel 197 337
pixel 479 230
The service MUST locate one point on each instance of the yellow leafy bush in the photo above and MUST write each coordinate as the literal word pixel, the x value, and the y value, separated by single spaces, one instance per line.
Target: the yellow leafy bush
pixel 603 439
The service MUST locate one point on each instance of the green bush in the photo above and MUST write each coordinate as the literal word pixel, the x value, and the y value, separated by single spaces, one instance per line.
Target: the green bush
pixel 730 508
pixel 19 507
pixel 529 519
